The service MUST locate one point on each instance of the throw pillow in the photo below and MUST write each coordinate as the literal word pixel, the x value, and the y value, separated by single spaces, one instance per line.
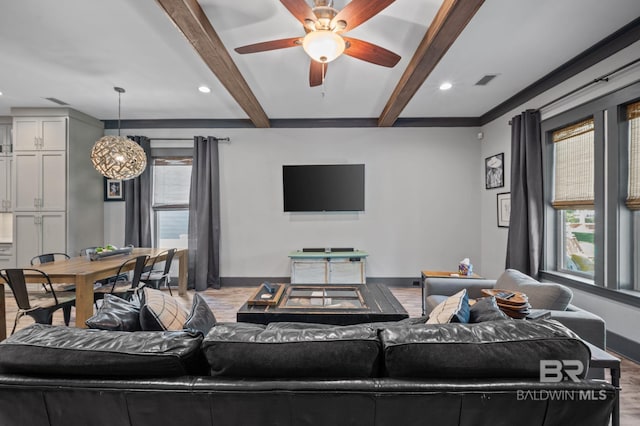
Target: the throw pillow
pixel 552 296
pixel 201 318
pixel 453 309
pixel 161 312
pixel 486 309
pixel 115 313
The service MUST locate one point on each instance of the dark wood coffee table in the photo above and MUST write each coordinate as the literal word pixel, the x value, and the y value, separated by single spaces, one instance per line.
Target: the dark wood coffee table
pixel 338 304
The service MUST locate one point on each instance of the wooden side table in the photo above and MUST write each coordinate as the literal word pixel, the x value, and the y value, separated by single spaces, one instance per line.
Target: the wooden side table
pixel 441 274
pixel 603 359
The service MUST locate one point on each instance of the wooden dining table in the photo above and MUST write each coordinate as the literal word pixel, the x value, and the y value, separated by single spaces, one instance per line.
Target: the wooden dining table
pixel 83 273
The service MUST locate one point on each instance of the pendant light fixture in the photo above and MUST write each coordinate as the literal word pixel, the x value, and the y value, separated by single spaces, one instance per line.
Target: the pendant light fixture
pixel 117 157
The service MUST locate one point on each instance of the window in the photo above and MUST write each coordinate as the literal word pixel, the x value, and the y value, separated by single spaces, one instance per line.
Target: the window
pixel 592 193
pixel 574 196
pixel 171 183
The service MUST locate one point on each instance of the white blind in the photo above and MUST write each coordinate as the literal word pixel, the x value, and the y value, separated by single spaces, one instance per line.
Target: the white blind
pixel 633 116
pixel 574 163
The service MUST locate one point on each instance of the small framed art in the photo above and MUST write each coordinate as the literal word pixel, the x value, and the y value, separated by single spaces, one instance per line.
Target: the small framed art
pixel 504 209
pixel 113 190
pixel 494 171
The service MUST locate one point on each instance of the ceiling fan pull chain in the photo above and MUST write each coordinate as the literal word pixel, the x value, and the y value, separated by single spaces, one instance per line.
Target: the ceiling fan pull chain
pixel 323 86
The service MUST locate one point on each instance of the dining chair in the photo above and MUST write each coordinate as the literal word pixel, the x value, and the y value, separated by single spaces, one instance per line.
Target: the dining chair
pixel 39 306
pixel 48 257
pixel 123 284
pixel 51 257
pixel 156 277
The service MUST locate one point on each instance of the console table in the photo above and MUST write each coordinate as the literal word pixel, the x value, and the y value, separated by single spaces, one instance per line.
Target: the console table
pixel 330 267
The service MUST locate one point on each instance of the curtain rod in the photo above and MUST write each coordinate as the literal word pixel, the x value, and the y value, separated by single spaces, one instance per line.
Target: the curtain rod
pixel 604 77
pixel 227 139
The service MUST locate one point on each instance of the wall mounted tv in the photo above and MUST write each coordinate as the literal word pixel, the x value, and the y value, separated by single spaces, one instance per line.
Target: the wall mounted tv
pixel 326 187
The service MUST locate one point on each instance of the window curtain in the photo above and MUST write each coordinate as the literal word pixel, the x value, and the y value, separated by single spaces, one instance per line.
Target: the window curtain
pixel 524 242
pixel 573 149
pixel 204 215
pixel 633 193
pixel 137 194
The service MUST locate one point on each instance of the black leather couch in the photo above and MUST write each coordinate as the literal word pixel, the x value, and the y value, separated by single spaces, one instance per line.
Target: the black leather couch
pixel 298 374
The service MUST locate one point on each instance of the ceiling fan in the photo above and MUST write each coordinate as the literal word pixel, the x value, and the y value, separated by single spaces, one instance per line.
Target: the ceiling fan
pixel 324 41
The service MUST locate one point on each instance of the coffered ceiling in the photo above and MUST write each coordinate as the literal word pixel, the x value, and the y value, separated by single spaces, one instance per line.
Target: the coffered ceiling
pixel 76 51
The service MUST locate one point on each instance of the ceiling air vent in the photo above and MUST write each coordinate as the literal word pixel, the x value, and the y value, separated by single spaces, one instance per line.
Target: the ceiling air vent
pixel 486 79
pixel 56 101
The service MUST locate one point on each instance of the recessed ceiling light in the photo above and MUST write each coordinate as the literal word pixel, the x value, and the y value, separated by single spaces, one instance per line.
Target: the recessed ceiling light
pixel 204 89
pixel 0 93
pixel 446 86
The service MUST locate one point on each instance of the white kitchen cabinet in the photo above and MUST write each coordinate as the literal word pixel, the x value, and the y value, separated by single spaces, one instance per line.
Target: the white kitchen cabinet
pixel 40 133
pixel 39 233
pixel 57 195
pixel 40 182
pixel 6 163
pixel 5 139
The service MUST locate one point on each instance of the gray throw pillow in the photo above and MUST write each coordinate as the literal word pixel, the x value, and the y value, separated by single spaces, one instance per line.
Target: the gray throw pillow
pixel 201 318
pixel 116 314
pixel 552 296
pixel 486 309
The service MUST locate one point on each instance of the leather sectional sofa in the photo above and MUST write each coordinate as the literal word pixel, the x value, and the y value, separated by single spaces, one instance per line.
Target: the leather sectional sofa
pixel 292 374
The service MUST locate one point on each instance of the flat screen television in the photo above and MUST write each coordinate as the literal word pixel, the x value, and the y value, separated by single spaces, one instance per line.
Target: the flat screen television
pixel 323 188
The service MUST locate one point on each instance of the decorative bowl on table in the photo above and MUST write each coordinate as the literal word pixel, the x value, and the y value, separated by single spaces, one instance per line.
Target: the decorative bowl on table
pixel 102 252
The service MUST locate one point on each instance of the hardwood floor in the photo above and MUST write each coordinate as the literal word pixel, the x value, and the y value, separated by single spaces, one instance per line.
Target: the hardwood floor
pixel 226 301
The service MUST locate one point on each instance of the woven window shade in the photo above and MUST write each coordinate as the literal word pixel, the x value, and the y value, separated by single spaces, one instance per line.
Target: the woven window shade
pixel 574 163
pixel 633 195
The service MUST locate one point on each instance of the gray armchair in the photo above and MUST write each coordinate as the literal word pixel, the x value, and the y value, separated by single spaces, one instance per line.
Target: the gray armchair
pixel 551 296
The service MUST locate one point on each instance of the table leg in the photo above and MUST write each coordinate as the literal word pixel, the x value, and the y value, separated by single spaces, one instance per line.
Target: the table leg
pixel 422 278
pixel 3 315
pixel 84 301
pixel 183 266
pixel 615 381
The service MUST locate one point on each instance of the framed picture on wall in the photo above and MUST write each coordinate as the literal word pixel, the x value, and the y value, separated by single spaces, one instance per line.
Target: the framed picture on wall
pixel 113 190
pixel 494 171
pixel 504 209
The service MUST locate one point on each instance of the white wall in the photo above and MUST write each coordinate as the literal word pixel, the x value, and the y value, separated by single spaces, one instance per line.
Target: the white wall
pixel 420 193
pixel 497 138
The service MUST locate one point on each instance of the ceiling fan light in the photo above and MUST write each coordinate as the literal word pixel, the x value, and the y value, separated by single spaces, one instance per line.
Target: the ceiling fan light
pixel 323 45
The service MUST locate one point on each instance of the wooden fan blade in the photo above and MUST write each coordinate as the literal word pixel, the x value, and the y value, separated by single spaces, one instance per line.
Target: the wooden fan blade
pixel 359 11
pixel 270 45
pixel 370 52
pixel 315 73
pixel 300 9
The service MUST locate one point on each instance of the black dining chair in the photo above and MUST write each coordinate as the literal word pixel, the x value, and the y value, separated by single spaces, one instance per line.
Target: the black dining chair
pixel 40 306
pixel 123 284
pixel 48 257
pixel 157 277
pixel 52 257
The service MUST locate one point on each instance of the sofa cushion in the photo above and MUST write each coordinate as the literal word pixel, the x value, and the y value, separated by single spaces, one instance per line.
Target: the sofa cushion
pixel 550 296
pixel 201 318
pixel 452 309
pixel 292 350
pixel 115 313
pixel 68 351
pixel 486 309
pixel 492 349
pixel 161 311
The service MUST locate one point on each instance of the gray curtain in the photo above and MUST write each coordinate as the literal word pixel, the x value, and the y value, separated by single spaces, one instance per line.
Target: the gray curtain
pixel 524 244
pixel 137 194
pixel 204 215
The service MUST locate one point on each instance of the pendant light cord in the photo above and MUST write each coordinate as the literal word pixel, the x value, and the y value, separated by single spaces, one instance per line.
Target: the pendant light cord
pixel 120 91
